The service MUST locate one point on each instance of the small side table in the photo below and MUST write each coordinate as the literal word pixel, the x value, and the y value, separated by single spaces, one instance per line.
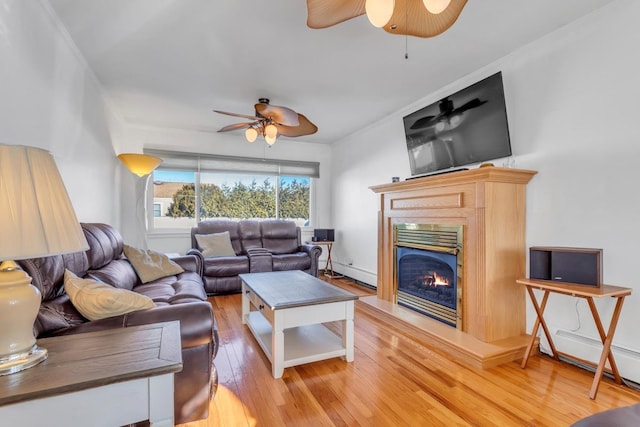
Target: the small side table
pixel 588 293
pixel 105 378
pixel 328 267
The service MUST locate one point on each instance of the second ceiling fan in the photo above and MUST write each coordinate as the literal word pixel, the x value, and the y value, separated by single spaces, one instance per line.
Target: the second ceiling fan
pixel 271 121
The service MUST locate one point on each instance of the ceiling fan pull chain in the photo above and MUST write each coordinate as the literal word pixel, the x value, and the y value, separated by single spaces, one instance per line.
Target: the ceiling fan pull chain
pixel 406 47
pixel 406 36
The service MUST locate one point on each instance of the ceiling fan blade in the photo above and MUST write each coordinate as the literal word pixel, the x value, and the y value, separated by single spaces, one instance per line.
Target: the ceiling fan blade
pixel 280 115
pixel 235 126
pixel 304 128
pixel 244 116
pixel 326 13
pixel 474 103
pixel 424 122
pixel 411 18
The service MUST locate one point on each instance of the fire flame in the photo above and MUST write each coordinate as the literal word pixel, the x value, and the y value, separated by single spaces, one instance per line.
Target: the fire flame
pixel 435 279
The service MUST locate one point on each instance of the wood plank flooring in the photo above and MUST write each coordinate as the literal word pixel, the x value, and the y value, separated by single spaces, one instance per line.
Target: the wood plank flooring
pixel 395 380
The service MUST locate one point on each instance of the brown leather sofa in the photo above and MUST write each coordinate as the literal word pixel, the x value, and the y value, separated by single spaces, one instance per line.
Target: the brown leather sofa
pixel 259 246
pixel 180 297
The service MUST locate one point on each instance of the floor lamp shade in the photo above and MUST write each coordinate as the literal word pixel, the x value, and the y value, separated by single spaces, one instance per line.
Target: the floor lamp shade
pixel 36 220
pixel 139 164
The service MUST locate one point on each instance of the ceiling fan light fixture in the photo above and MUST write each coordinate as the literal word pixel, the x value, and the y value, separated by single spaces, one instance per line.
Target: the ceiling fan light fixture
pixel 436 6
pixel 270 139
pixel 379 12
pixel 271 131
pixel 251 134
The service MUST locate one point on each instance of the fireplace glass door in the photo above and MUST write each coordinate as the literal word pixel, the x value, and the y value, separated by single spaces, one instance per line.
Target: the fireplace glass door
pixel 428 270
pixel 427 282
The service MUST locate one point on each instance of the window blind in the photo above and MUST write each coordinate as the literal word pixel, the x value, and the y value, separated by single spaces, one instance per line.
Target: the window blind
pixel 217 163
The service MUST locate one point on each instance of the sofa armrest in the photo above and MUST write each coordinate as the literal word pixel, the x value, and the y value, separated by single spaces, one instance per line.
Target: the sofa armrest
pixel 189 262
pixel 260 260
pixel 197 323
pixel 200 256
pixel 314 252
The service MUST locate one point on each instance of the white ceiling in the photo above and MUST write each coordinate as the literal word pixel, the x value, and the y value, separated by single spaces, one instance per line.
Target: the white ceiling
pixel 169 63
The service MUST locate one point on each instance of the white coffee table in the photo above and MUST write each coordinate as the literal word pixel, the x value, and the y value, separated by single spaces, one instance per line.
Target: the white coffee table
pixel 285 311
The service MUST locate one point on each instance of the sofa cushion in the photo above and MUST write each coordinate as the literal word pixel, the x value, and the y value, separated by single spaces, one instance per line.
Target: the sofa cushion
pixel 95 300
pixel 297 261
pixel 186 287
pixel 105 244
pixel 151 265
pixel 215 244
pixel 226 266
pixel 279 236
pixel 55 314
pixel 217 226
pixel 250 235
pixel 118 273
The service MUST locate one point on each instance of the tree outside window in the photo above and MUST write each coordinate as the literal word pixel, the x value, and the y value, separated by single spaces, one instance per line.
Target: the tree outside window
pixel 233 196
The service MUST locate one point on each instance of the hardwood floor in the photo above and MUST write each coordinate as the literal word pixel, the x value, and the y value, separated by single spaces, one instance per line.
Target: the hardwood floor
pixel 393 381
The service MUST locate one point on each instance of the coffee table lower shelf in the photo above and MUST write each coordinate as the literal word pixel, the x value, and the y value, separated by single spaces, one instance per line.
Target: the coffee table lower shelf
pixel 304 344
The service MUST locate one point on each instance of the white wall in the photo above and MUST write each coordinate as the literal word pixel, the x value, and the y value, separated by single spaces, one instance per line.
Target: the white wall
pixel 48 99
pixel 572 100
pixel 229 144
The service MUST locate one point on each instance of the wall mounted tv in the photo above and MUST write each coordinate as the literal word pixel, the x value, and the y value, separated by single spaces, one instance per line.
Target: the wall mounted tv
pixel 469 126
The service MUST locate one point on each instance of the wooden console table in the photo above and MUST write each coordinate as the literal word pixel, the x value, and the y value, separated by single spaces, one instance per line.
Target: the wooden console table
pixel 105 378
pixel 588 293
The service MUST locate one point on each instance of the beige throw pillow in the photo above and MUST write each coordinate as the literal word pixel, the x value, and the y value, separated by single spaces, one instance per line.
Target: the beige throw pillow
pixel 95 300
pixel 151 265
pixel 216 244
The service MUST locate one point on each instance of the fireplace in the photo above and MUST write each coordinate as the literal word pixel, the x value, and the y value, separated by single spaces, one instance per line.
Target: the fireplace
pixel 488 205
pixel 428 270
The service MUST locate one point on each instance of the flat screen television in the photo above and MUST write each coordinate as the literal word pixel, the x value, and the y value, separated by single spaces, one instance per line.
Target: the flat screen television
pixel 469 126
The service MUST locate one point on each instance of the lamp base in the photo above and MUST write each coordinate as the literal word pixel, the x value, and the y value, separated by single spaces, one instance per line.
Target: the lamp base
pixel 17 362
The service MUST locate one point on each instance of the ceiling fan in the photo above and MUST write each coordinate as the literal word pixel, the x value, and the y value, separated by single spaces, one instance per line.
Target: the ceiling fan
pixel 271 121
pixel 420 18
pixel 448 116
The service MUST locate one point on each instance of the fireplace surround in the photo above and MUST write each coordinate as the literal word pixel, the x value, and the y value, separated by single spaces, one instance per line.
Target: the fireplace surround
pixel 489 204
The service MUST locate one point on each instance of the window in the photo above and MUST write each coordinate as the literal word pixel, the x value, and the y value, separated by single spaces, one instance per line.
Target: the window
pixel 293 199
pixel 173 192
pixel 229 187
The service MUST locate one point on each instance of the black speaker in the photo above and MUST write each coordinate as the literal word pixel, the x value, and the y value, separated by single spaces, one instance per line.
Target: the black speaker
pixel 580 266
pixel 323 235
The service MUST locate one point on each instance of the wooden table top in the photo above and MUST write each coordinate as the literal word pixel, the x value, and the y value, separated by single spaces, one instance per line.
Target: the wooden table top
pixel 94 359
pixel 577 290
pixel 286 289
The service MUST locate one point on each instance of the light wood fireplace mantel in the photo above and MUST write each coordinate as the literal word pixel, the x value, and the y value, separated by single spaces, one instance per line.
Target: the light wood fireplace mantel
pixel 489 203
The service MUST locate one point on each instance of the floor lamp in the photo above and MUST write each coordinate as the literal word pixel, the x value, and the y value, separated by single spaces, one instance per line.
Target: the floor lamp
pixel 141 165
pixel 36 220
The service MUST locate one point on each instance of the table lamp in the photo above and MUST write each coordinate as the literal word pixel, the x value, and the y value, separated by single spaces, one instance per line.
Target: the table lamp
pixel 36 220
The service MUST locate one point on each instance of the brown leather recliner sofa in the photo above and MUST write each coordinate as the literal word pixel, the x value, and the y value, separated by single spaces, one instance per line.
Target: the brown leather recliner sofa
pixel 180 297
pixel 259 246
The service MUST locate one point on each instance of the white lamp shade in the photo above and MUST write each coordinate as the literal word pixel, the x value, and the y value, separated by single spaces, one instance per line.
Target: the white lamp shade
pixel 37 218
pixel 139 164
pixel 436 6
pixel 379 12
pixel 251 134
pixel 270 139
